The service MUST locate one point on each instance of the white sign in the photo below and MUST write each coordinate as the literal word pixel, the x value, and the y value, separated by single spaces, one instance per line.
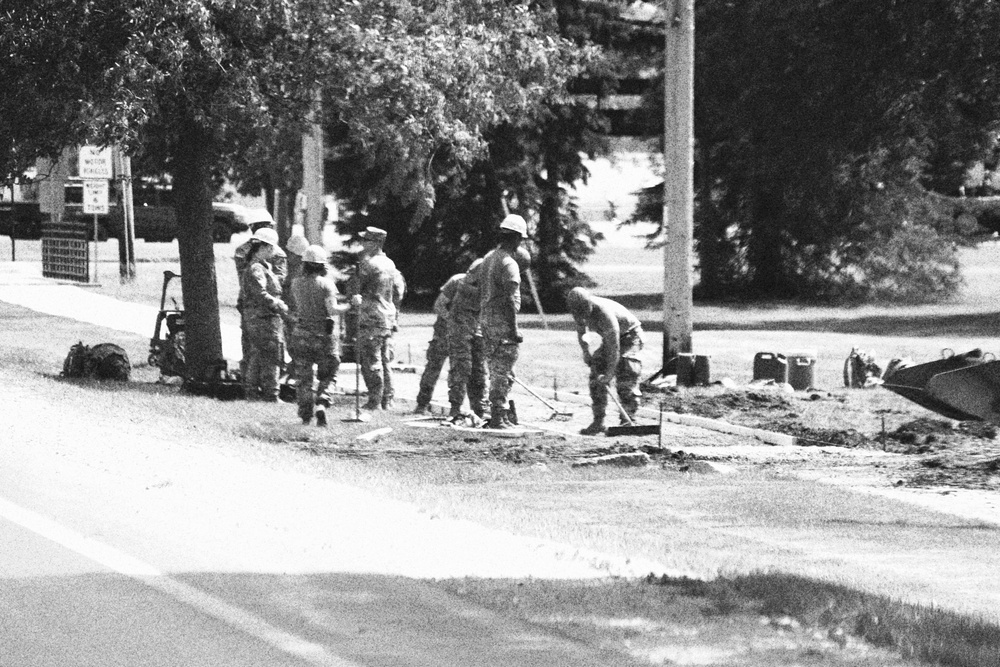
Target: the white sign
pixel 95 162
pixel 95 197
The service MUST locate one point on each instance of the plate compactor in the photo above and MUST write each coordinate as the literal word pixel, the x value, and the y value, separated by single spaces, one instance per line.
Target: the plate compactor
pixel 167 352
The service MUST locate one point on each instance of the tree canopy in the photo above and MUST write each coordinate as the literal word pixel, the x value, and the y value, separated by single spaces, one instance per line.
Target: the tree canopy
pixel 823 131
pixel 213 84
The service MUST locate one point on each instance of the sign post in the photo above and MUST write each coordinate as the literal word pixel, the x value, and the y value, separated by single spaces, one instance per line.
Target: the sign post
pixel 95 202
pixel 95 169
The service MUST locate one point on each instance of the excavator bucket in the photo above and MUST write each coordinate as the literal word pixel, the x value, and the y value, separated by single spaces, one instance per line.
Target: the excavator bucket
pixel 974 390
pixel 913 383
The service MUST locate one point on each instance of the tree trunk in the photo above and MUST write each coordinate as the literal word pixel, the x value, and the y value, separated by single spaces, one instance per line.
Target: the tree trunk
pixel 193 206
pixel 764 251
pixel 548 237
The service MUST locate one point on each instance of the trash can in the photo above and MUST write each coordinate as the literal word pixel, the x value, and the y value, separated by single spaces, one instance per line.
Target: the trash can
pixel 701 375
pixel 802 369
pixel 770 366
pixel 685 369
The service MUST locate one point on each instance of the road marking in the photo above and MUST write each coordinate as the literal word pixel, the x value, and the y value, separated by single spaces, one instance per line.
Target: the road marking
pixel 145 573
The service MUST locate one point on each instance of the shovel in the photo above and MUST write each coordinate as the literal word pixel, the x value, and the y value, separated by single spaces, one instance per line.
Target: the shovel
pixel 556 412
pixel 630 427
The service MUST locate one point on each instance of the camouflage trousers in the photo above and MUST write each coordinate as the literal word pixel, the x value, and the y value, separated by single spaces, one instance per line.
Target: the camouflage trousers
pixel 628 371
pixel 245 350
pixel 501 355
pixel 437 354
pixel 467 372
pixel 315 360
pixel 265 338
pixel 376 352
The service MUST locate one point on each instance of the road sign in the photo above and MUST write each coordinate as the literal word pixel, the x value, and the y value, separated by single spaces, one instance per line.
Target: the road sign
pixel 95 197
pixel 95 162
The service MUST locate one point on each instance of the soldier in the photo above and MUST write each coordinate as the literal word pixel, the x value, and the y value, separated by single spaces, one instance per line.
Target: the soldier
pixel 380 286
pixel 437 349
pixel 262 313
pixel 259 219
pixel 467 372
pixel 500 301
pixel 295 248
pixel 314 344
pixel 617 359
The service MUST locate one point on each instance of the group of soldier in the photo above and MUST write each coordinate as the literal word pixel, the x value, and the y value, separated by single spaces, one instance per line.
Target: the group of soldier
pixel 476 330
pixel 288 299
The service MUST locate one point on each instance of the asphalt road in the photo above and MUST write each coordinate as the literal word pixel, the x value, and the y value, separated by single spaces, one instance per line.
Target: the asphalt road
pixel 121 548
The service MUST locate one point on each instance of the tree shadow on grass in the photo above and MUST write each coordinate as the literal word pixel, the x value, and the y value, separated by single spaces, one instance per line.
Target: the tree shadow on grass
pixel 754 316
pixel 971 325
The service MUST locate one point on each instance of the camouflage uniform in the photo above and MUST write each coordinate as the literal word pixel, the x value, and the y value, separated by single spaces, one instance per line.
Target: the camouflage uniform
pixel 262 310
pixel 500 300
pixel 381 288
pixel 437 349
pixel 621 343
pixel 314 344
pixel 279 267
pixel 465 347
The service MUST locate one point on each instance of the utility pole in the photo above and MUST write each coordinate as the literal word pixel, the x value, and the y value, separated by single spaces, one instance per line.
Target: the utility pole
pixel 678 183
pixel 312 174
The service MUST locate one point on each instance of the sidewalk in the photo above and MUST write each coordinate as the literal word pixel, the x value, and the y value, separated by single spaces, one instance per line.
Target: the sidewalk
pixel 22 284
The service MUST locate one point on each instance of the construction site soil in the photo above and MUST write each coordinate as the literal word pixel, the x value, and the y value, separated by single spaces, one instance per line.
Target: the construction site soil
pixel 920 451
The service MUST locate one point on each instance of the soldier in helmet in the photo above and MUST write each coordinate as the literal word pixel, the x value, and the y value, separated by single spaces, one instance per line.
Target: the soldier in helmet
pixel 315 345
pixel 617 358
pixel 263 311
pixel 259 219
pixel 500 301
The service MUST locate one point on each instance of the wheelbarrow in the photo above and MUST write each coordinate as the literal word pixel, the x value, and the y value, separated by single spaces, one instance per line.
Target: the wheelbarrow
pixel 945 386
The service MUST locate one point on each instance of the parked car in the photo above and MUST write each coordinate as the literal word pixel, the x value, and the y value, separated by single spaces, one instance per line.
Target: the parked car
pixel 159 223
pixel 24 220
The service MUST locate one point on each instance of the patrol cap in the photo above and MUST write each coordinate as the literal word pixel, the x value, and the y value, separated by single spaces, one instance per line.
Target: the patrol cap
pixel 374 234
pixel 314 254
pixel 515 223
pixel 266 235
pixel 472 274
pixel 297 244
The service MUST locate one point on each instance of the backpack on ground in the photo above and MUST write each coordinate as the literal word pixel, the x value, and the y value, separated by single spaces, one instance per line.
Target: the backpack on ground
pixel 105 361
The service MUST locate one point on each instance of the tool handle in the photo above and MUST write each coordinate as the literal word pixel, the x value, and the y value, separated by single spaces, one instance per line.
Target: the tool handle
pixel 532 392
pixel 614 397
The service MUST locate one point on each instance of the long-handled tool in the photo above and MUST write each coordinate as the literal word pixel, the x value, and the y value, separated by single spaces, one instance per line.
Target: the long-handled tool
pixel 358 415
pixel 556 412
pixel 629 427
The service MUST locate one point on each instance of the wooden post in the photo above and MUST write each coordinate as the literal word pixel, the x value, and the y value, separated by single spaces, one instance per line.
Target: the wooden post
pixel 126 249
pixel 678 184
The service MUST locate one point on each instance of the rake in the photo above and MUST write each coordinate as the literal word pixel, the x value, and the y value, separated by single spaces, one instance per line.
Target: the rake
pixel 556 412
pixel 629 427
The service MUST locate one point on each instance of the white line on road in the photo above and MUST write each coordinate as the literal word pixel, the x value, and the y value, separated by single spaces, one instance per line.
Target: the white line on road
pixel 145 573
